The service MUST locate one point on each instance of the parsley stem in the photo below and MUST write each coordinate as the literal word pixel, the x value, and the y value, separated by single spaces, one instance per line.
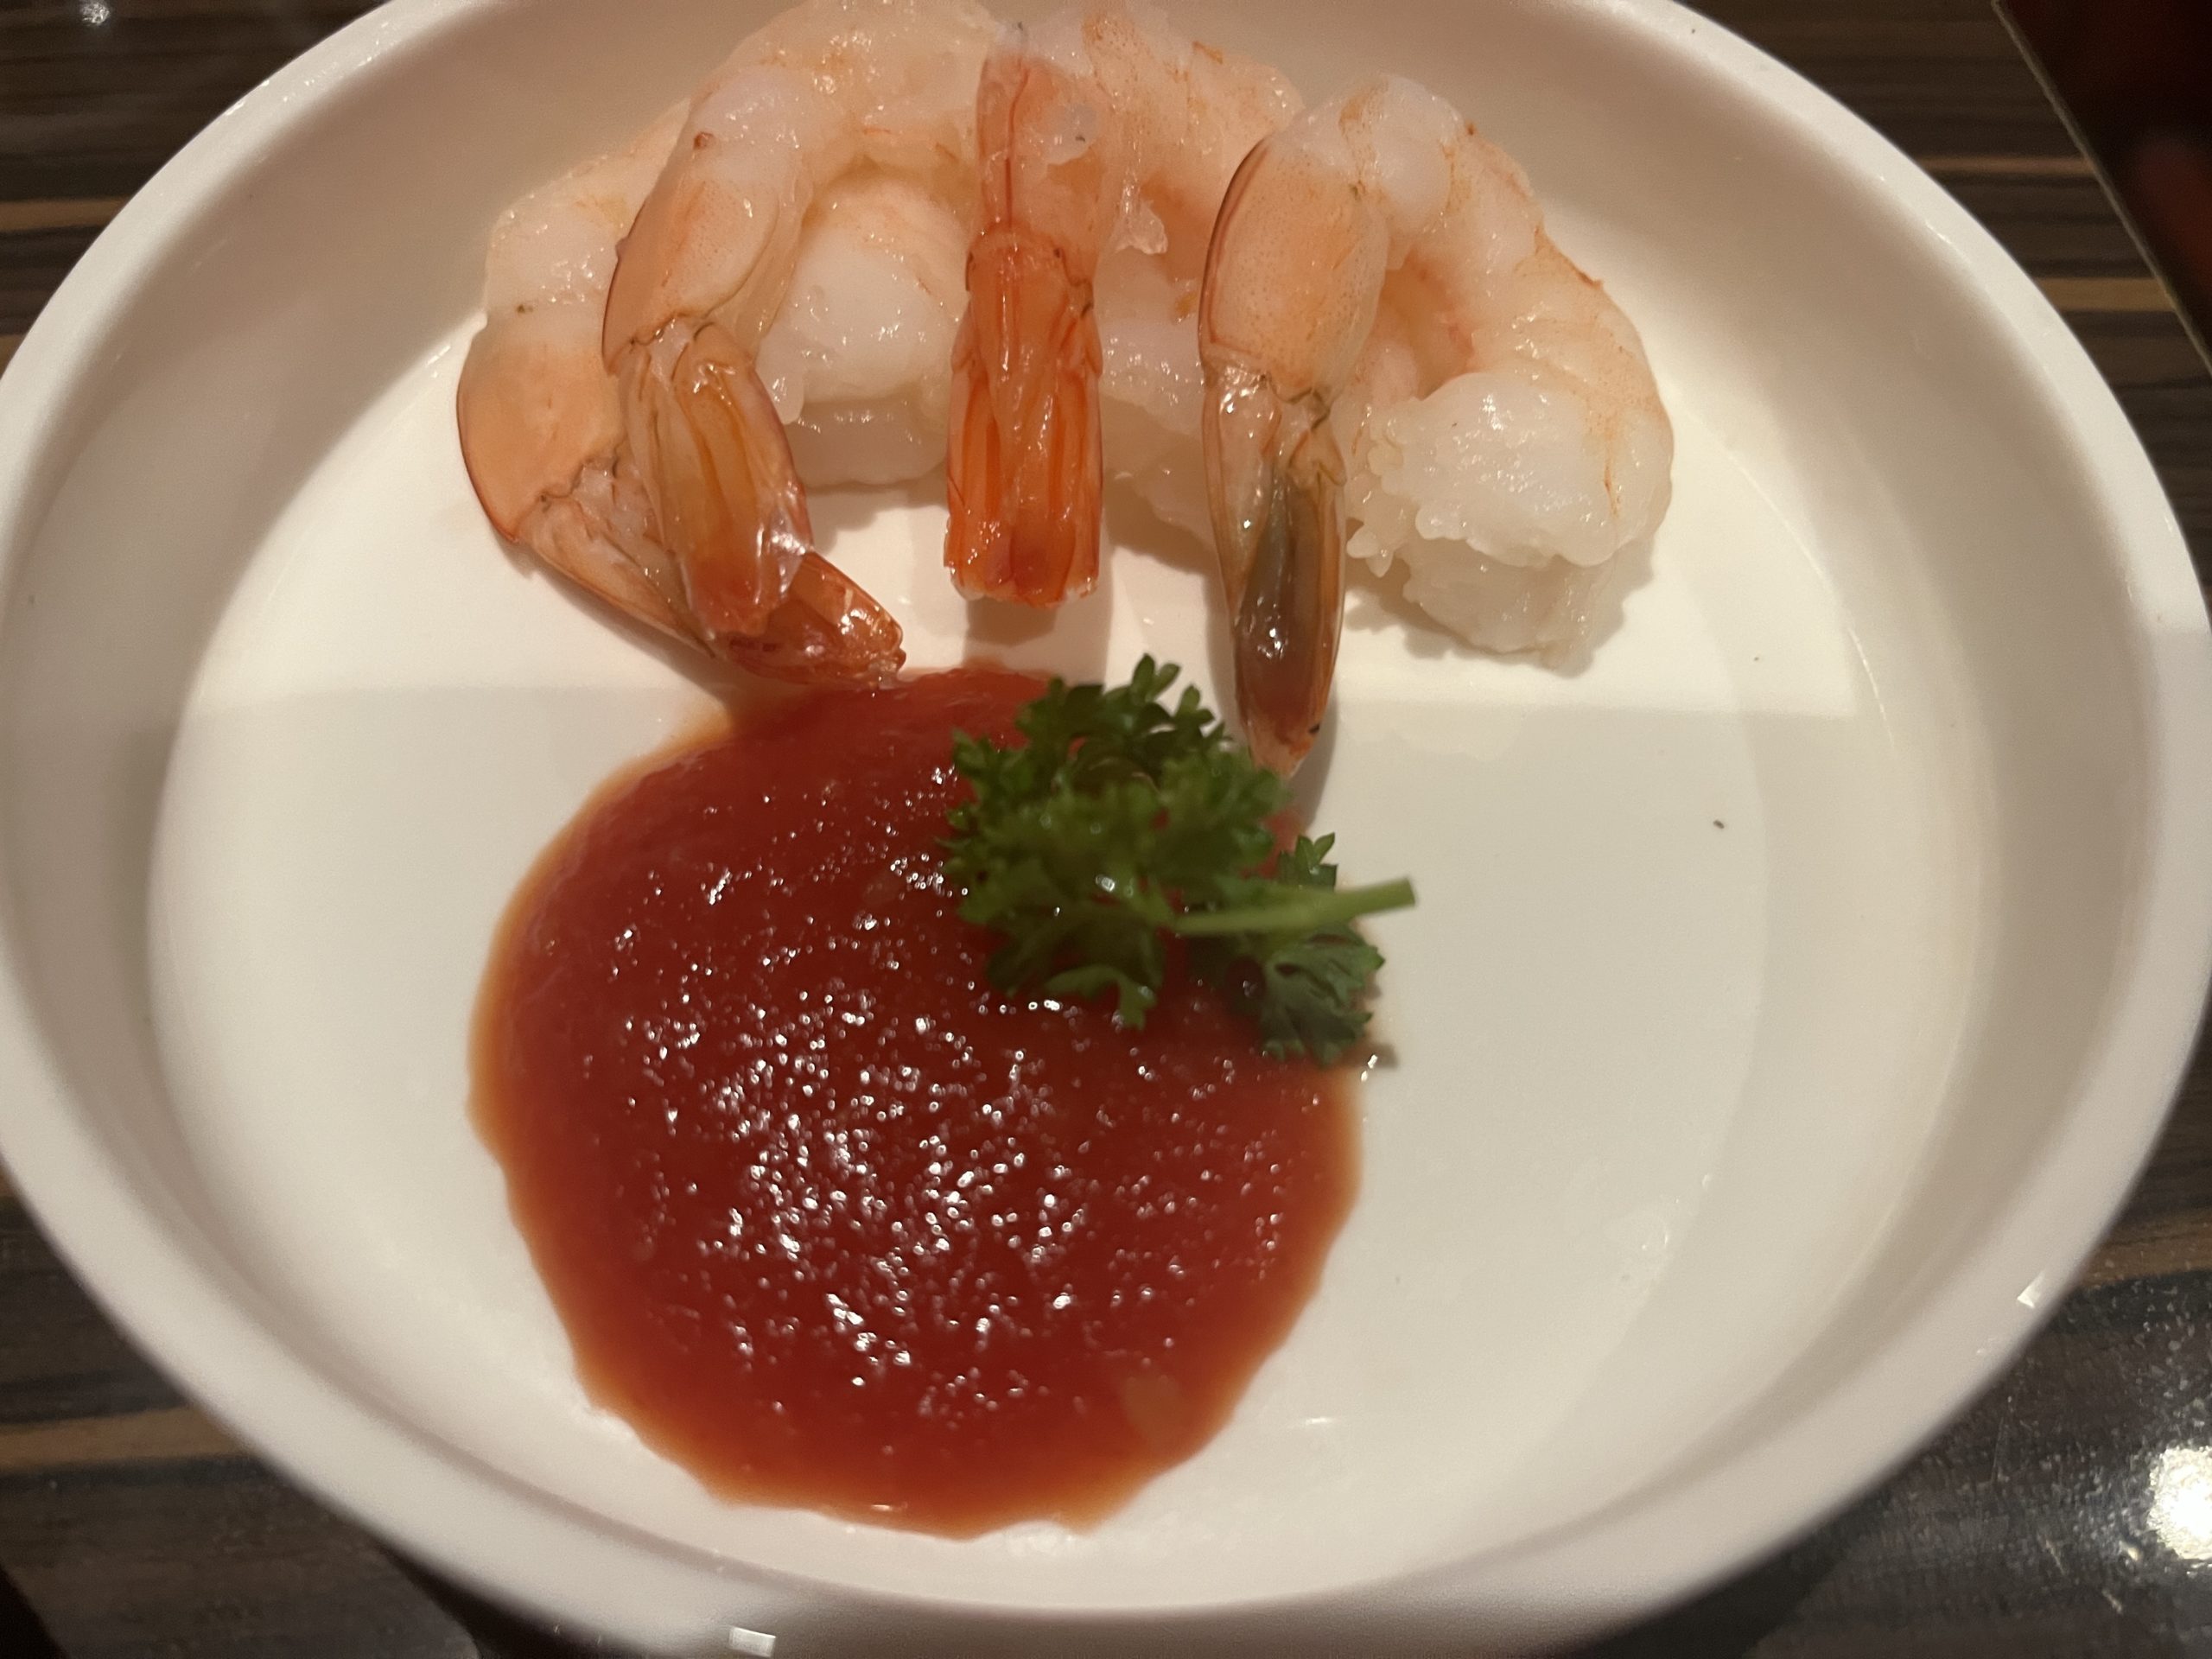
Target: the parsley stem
pixel 1300 909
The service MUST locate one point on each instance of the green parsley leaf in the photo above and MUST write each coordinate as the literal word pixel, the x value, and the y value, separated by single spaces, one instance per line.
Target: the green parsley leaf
pixel 1120 820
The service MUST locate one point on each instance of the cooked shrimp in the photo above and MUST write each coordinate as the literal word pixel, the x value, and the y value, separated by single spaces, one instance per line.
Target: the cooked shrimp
pixel 791 255
pixel 1389 334
pixel 859 360
pixel 813 212
pixel 541 434
pixel 1107 140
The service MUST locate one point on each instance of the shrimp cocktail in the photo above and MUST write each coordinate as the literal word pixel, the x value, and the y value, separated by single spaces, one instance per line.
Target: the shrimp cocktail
pixel 928 1099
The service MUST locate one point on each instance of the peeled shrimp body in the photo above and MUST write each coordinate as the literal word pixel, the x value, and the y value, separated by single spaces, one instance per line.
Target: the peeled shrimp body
pixel 1107 140
pixel 765 281
pixel 858 361
pixel 1401 364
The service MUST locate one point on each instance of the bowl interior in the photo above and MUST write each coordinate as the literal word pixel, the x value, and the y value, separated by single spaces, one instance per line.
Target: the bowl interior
pixel 1759 963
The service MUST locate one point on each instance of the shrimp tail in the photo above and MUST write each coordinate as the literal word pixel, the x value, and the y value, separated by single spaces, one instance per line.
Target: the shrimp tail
pixel 1275 481
pixel 718 470
pixel 702 534
pixel 829 628
pixel 1023 461
pixel 588 547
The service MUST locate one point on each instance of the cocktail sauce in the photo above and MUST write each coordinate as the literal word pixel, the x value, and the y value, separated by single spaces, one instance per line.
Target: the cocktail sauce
pixel 830 1219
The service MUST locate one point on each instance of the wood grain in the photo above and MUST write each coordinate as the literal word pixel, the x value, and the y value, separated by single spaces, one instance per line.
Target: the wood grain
pixel 64 213
pixel 2151 1249
pixel 2009 167
pixel 2122 294
pixel 95 94
pixel 163 1436
pixel 208 1559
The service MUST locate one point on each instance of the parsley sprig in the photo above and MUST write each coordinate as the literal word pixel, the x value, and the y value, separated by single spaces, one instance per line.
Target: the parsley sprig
pixel 1121 821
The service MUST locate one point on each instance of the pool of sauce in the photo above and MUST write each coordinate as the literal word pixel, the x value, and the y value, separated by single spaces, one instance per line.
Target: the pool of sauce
pixel 831 1221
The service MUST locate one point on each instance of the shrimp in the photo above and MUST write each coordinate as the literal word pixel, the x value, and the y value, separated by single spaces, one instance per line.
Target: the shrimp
pixel 859 360
pixel 1107 140
pixel 784 249
pixel 1392 343
pixel 542 433
pixel 814 212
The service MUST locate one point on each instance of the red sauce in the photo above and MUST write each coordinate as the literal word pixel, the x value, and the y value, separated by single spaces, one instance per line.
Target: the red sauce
pixel 831 1221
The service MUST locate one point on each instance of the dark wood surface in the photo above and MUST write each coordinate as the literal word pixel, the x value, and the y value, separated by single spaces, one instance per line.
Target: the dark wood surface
pixel 131 1525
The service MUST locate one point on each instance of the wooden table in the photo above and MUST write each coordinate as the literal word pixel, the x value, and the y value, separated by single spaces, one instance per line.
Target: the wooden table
pixel 129 1525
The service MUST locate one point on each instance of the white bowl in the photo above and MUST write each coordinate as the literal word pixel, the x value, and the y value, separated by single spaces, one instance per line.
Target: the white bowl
pixel 1794 994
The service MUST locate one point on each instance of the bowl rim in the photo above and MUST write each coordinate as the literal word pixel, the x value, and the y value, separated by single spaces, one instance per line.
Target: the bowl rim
pixel 525 1545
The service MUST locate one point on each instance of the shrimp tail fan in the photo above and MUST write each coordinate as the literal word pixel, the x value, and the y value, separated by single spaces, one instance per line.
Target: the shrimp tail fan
pixel 1024 459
